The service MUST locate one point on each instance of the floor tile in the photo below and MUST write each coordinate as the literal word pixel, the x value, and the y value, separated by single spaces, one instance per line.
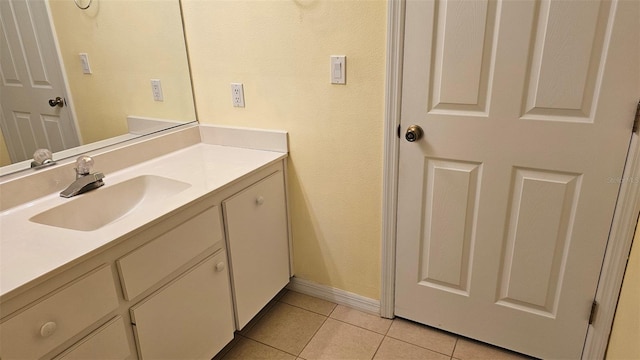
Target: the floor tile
pixel 338 340
pixel 286 327
pixel 393 349
pixel 361 319
pixel 245 330
pixel 250 349
pixel 475 350
pixel 424 336
pixel 308 302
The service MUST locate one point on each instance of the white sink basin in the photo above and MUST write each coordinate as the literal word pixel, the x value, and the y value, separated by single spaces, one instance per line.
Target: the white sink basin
pixel 97 208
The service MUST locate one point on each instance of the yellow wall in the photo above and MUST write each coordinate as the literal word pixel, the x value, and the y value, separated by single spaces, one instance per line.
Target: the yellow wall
pixel 625 335
pixel 128 43
pixel 279 50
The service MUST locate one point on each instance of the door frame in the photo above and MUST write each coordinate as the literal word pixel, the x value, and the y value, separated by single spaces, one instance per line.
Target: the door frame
pixel 622 228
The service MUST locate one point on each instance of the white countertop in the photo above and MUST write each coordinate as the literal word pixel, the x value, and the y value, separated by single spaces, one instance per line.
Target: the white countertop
pixel 30 251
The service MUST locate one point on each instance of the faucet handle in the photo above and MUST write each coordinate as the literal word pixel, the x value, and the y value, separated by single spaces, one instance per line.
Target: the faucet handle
pixel 84 164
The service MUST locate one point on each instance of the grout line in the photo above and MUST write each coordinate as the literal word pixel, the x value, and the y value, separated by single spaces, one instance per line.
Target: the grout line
pixel 454 346
pixel 271 346
pixel 422 347
pixel 358 326
pixel 378 348
pixel 315 312
pixel 386 333
pixel 313 336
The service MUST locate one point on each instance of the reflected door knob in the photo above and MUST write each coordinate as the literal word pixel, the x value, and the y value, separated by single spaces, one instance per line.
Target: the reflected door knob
pixel 59 102
pixel 414 132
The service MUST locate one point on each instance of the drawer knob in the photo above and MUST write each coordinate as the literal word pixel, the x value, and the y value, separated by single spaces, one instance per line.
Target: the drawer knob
pixel 260 200
pixel 220 266
pixel 48 329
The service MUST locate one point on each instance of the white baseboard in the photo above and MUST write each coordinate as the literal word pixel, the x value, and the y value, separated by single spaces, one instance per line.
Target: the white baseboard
pixel 337 296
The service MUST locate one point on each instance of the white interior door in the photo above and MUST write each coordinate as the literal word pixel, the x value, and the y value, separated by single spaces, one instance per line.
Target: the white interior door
pixel 505 203
pixel 31 74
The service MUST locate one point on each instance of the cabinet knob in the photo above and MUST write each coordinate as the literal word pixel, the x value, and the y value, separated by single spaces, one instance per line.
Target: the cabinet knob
pixel 220 266
pixel 260 200
pixel 48 328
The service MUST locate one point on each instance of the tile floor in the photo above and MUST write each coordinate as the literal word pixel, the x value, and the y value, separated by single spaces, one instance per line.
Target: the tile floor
pixel 296 326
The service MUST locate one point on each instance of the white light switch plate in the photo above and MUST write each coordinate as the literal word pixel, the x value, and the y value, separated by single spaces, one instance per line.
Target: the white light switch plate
pixel 338 69
pixel 84 62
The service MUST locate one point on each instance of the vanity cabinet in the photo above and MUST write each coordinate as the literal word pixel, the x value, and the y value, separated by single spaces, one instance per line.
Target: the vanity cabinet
pixel 177 287
pixel 257 239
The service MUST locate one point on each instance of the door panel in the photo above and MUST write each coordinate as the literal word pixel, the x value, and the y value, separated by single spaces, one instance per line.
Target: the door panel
pixel 542 207
pixel 564 67
pixel 31 75
pixel 462 52
pixel 451 206
pixel 504 206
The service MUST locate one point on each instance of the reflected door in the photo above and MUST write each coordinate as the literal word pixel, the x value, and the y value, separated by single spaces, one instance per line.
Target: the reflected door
pixel 31 76
pixel 505 203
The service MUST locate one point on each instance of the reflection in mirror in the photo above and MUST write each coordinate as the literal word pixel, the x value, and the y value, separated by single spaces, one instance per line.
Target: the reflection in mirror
pixel 102 62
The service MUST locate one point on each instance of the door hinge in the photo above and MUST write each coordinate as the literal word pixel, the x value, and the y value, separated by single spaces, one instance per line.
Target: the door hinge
pixel 594 312
pixel 636 121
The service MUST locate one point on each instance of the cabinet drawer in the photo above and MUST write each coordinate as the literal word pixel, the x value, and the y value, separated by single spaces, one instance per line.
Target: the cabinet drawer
pixel 258 244
pixel 52 321
pixel 145 266
pixel 108 342
pixel 190 318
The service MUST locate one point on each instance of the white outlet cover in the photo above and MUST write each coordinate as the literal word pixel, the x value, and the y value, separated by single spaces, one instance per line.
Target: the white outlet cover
pixel 237 94
pixel 156 89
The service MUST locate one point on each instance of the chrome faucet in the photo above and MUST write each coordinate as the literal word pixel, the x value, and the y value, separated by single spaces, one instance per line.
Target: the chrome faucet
pixel 85 179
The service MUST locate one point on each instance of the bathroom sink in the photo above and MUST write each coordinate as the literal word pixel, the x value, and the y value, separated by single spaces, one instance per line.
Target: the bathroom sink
pixel 95 209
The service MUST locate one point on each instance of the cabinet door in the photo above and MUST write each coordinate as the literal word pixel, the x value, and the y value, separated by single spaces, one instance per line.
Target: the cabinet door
pixel 190 318
pixel 257 234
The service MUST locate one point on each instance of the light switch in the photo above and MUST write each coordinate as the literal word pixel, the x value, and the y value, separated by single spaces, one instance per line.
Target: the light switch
pixel 84 61
pixel 338 69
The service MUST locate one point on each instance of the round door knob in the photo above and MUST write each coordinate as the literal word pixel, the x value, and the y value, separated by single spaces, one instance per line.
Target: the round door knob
pixel 260 200
pixel 59 102
pixel 220 266
pixel 48 328
pixel 414 132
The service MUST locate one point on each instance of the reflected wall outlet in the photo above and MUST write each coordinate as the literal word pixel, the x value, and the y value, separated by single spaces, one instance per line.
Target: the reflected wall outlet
pixel 237 94
pixel 156 88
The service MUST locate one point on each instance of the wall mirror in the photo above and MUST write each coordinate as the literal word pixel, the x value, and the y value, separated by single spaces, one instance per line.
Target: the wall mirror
pixel 88 73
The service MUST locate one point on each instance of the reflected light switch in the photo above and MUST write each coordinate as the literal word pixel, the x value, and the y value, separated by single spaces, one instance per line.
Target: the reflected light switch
pixel 338 69
pixel 84 61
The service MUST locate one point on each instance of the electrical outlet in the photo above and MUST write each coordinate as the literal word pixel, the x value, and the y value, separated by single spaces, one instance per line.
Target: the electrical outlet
pixel 237 94
pixel 156 89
